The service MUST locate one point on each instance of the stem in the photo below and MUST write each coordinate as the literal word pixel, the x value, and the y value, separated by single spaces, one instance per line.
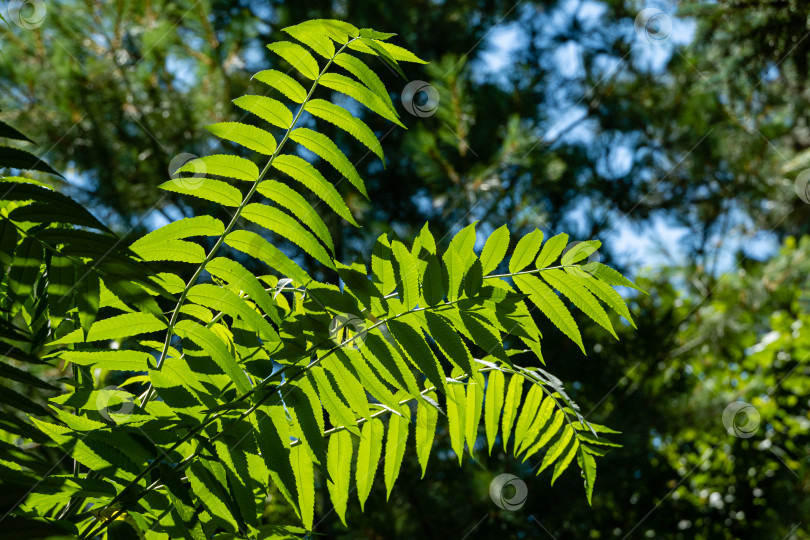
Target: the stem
pixel 180 466
pixel 536 271
pixel 359 421
pixel 184 463
pixel 89 532
pixel 176 313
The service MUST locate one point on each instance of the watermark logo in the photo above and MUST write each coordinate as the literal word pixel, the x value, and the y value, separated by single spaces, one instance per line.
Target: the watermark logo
pixel 27 14
pixel 346 330
pixel 585 255
pixel 187 164
pixel 114 404
pixel 741 419
pixel 508 492
pixel 653 25
pixel 420 99
pixel 802 186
